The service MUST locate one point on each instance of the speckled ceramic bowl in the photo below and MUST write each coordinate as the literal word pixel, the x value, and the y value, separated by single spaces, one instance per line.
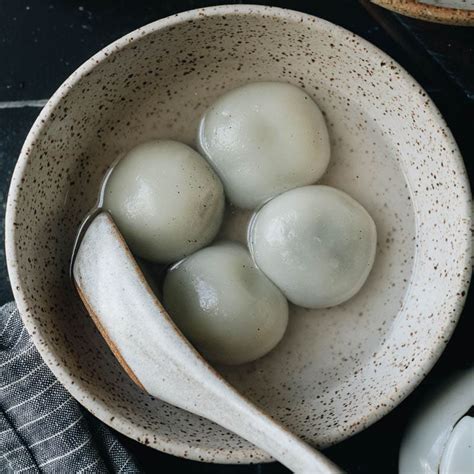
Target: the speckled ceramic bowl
pixel 337 370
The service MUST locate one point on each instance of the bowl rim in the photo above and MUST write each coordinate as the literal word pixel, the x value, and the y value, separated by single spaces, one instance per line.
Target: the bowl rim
pixel 429 12
pixel 79 392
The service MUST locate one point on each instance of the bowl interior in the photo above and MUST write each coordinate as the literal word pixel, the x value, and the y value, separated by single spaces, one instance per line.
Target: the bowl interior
pixel 336 370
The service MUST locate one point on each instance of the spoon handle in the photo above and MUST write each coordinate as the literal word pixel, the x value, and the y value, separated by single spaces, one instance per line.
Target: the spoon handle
pixel 239 415
pixel 157 356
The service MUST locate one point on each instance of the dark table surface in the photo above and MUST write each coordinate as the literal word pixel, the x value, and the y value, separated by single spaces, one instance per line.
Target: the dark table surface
pixel 42 42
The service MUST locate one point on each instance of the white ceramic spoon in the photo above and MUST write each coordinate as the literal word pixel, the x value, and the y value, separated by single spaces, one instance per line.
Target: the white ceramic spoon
pixel 159 358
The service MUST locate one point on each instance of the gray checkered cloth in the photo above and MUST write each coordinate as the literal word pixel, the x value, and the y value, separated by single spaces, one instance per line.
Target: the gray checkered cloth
pixel 42 428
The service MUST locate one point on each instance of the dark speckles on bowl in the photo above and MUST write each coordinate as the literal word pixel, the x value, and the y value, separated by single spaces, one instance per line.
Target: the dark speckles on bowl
pixel 336 371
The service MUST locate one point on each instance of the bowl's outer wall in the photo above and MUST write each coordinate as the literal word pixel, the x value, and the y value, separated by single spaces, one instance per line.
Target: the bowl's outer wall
pixel 336 371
